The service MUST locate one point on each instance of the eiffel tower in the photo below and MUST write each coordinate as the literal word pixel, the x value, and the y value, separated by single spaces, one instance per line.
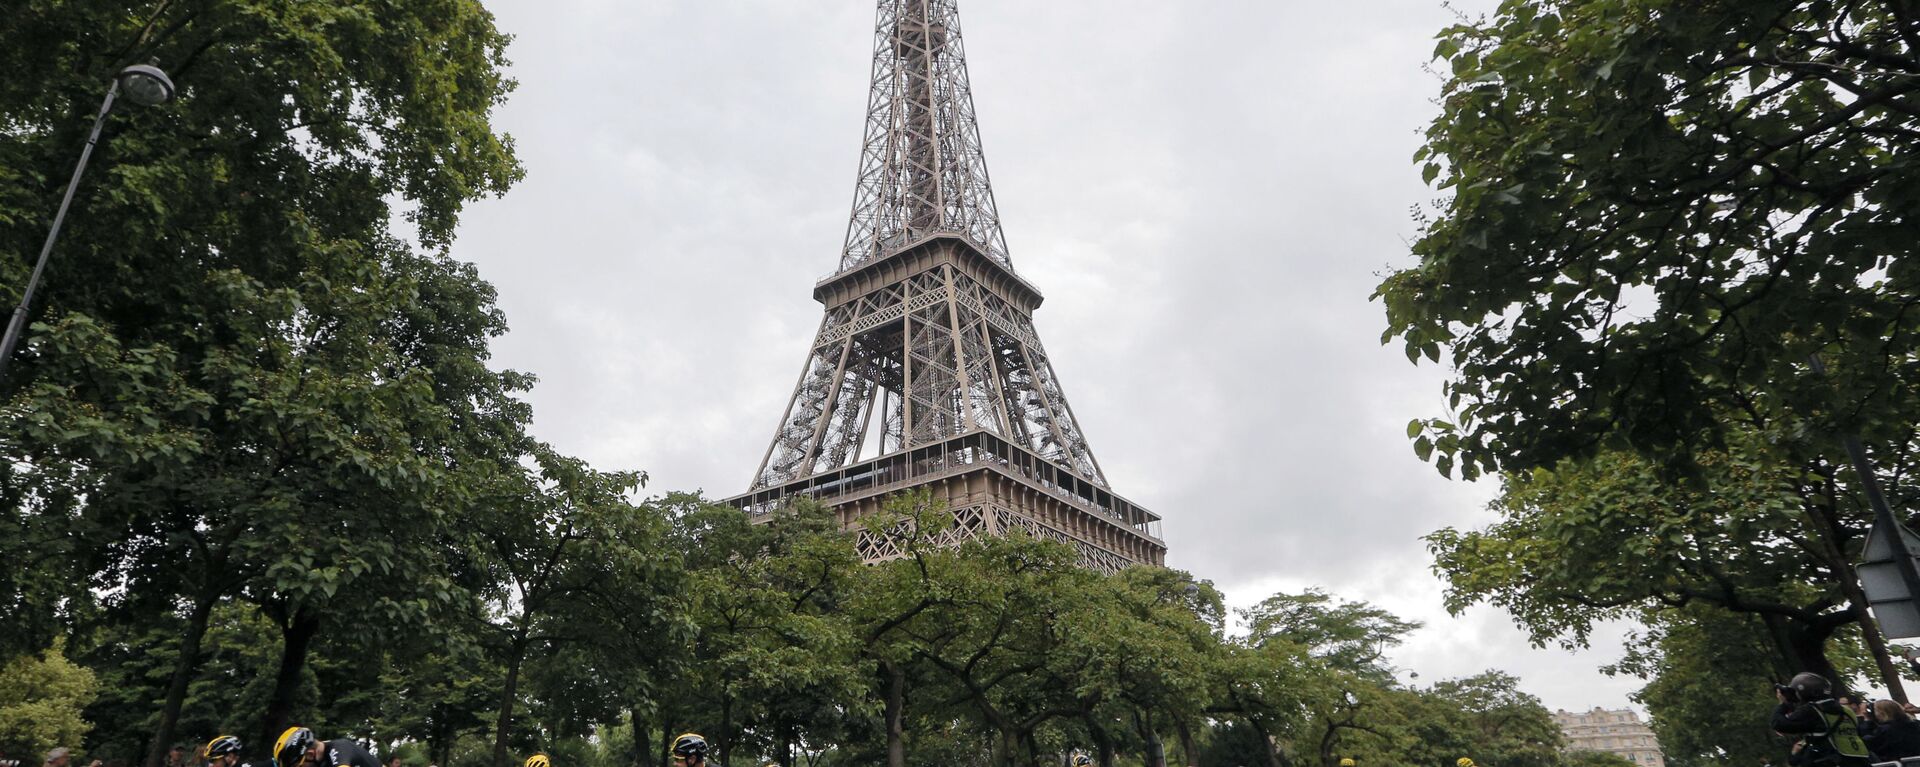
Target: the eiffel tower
pixel 927 371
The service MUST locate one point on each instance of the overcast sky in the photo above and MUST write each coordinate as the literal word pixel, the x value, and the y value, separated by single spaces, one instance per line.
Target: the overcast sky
pixel 1206 191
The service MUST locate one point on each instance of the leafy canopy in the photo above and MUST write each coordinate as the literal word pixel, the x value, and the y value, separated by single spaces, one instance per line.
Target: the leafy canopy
pixel 41 699
pixel 1655 212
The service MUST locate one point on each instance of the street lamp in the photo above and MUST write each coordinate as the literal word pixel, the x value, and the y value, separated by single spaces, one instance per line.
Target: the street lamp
pixel 145 85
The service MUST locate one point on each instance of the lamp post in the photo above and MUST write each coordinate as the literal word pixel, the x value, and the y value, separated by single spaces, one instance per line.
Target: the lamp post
pixel 145 85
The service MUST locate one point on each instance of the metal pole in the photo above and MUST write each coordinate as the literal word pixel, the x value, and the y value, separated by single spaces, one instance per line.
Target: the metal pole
pixel 19 321
pixel 1882 513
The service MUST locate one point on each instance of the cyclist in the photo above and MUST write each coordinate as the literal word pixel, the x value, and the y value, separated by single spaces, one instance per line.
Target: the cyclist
pixel 690 750
pixel 297 747
pixel 223 751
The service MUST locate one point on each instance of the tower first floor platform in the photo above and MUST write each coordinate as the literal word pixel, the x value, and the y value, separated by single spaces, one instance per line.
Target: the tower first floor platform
pixel 991 487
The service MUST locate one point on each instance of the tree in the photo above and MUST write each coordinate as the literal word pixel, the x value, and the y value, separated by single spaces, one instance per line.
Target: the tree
pixel 1017 648
pixel 1154 660
pixel 1269 686
pixel 1234 742
pixel 893 598
pixel 1343 665
pixel 229 329
pixel 1599 759
pixel 40 702
pixel 1015 598
pixel 1710 677
pixel 572 556
pixel 1503 724
pixel 1346 635
pixel 442 696
pixel 1606 538
pixel 134 662
pixel 1657 216
pixel 1486 716
pixel 770 656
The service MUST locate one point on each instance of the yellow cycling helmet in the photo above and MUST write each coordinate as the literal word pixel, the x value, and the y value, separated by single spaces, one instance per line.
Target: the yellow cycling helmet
pixel 690 747
pixel 1463 762
pixel 292 747
pixel 221 746
pixel 539 760
pixel 1346 761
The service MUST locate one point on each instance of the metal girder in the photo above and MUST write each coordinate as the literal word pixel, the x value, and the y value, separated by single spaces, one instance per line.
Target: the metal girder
pixel 928 339
pixel 937 354
pixel 972 522
pixel 922 171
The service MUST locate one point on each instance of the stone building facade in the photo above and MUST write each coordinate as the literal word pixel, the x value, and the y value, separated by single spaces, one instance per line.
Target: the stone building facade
pixel 1616 732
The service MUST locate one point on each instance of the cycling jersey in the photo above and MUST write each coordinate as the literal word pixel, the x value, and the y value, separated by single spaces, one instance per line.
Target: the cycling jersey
pixel 346 753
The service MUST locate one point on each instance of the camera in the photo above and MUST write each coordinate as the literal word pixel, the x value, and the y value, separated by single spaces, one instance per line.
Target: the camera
pixel 1792 695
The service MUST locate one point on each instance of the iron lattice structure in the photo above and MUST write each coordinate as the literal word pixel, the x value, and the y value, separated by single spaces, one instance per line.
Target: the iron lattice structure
pixel 921 170
pixel 927 370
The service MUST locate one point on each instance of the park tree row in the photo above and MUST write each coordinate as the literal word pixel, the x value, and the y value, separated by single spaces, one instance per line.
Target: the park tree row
pixel 596 628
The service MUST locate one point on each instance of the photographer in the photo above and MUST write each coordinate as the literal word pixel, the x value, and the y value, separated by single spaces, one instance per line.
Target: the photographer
pixel 1828 737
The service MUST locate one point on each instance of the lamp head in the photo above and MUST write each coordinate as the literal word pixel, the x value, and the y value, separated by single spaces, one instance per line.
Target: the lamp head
pixel 146 85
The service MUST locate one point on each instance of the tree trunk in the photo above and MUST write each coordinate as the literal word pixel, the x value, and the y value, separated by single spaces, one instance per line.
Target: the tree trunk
pixel 440 743
pixel 666 739
pixel 639 738
pixel 1186 744
pixel 726 730
pixel 184 668
pixel 1103 750
pixel 896 715
pixel 1870 631
pixel 1809 647
pixel 1033 747
pixel 1784 657
pixel 1155 753
pixel 1007 751
pixel 1834 542
pixel 296 638
pixel 504 728
pixel 1266 744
